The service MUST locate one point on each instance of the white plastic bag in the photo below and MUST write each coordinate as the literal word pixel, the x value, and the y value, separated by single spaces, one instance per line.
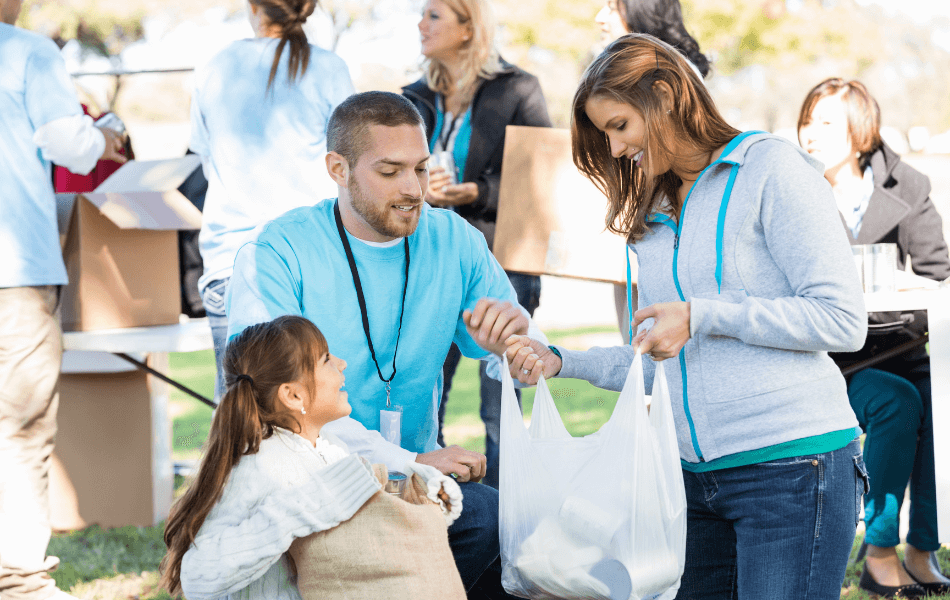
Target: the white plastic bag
pixel 601 517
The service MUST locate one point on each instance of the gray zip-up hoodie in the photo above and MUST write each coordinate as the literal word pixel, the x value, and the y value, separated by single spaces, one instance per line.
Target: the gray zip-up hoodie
pixel 768 271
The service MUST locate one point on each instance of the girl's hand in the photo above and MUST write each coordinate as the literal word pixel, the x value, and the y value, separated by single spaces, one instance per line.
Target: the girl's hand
pixel 669 333
pixel 441 490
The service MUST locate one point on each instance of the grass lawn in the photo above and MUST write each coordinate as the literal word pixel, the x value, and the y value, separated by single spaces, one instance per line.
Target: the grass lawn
pixel 122 563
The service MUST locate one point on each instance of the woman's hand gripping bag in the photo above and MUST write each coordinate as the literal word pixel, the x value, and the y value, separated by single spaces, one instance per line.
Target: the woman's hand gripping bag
pixel 600 517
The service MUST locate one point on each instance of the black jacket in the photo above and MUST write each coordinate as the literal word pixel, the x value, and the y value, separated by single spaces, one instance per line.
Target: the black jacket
pixel 513 97
pixel 900 212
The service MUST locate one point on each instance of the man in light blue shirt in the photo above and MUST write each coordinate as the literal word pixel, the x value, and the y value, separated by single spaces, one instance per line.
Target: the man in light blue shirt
pixel 391 282
pixel 42 122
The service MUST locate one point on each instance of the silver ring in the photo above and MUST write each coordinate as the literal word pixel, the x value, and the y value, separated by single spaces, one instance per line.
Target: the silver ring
pixel 526 371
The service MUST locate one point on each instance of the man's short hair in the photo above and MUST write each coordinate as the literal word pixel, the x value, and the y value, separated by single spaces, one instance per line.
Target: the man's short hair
pixel 349 123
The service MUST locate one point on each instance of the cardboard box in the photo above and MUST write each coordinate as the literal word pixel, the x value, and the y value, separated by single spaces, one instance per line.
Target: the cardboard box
pixel 550 217
pixel 112 461
pixel 121 249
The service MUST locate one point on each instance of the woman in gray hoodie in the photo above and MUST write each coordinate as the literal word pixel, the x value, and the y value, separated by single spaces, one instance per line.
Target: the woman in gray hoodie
pixel 746 282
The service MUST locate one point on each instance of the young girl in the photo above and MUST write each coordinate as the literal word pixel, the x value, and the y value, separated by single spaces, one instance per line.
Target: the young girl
pixel 749 281
pixel 268 476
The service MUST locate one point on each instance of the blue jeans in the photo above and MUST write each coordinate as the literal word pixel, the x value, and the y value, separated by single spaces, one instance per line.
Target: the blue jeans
pixel 212 296
pixel 474 542
pixel 895 413
pixel 528 290
pixel 780 529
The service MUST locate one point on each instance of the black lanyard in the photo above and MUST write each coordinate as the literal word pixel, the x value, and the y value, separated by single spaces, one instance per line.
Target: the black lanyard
pixel 359 296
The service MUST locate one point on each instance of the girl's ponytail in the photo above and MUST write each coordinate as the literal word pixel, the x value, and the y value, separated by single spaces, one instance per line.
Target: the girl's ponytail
pixel 289 15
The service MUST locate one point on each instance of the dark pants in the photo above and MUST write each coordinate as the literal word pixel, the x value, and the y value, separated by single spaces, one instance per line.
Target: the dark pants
pixel 780 529
pixel 895 413
pixel 474 542
pixel 213 299
pixel 528 289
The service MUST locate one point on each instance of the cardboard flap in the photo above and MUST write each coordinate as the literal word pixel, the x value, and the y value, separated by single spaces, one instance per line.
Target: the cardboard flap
pixel 550 217
pixel 144 195
pixel 147 210
pixel 150 175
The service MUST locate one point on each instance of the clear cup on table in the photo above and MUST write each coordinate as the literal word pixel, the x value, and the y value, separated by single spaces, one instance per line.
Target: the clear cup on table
pixel 877 264
pixel 858 253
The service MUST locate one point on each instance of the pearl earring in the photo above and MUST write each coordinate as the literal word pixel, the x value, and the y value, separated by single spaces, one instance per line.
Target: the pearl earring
pixel 303 410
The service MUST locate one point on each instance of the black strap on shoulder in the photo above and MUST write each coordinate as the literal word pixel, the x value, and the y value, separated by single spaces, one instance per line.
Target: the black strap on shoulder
pixel 362 300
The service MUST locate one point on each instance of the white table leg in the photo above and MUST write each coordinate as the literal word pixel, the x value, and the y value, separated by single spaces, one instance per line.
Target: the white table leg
pixel 163 477
pixel 939 320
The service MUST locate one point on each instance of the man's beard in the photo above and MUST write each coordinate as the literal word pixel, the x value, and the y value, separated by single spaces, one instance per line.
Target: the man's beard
pixel 376 216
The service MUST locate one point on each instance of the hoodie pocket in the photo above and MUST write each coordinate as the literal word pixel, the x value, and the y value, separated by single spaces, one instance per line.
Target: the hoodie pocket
pixel 733 370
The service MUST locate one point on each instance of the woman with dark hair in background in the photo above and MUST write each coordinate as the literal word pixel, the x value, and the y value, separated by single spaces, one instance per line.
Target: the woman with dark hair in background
pixel 663 19
pixel 468 95
pixel 884 200
pixel 258 120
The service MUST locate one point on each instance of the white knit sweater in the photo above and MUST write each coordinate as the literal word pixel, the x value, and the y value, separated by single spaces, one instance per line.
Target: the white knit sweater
pixel 288 489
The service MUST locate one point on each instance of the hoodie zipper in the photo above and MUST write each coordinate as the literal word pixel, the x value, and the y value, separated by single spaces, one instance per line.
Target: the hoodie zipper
pixel 682 352
pixel 677 230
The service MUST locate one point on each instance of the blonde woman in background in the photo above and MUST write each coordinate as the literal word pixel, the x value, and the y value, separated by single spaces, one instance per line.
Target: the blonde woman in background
pixel 467 97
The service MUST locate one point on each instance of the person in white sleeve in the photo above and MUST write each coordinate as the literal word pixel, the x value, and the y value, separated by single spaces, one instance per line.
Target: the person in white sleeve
pixel 270 474
pixel 258 120
pixel 42 123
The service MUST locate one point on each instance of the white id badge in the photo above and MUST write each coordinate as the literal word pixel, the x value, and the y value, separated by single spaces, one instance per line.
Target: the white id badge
pixel 390 424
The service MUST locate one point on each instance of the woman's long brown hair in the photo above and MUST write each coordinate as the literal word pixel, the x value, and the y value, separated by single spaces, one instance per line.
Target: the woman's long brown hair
pixel 289 15
pixel 270 354
pixel 631 70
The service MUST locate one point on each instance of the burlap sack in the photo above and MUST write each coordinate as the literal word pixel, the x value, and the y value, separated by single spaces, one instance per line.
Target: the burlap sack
pixel 391 548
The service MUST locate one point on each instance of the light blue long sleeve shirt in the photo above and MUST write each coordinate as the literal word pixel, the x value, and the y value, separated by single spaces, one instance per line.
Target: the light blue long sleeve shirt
pixel 34 90
pixel 263 150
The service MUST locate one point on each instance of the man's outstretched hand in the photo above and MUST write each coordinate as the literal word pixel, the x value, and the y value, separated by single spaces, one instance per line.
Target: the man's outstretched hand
pixel 494 321
pixel 465 464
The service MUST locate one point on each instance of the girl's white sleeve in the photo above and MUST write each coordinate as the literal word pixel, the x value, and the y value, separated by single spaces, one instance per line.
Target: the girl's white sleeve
pixel 234 548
